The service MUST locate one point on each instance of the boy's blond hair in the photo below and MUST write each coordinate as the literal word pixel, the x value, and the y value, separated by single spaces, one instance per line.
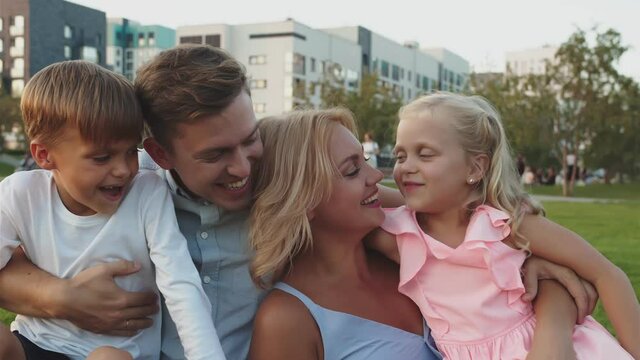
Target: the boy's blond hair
pixel 99 103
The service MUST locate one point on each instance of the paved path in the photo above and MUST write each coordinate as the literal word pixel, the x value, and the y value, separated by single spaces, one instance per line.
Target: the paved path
pixel 9 160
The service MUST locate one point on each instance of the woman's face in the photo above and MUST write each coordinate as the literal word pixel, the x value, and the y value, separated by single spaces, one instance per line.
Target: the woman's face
pixel 354 200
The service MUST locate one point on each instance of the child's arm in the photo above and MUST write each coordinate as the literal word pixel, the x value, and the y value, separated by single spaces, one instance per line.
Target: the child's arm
pixel 176 275
pixel 91 300
pixel 384 243
pixel 560 245
pixel 555 318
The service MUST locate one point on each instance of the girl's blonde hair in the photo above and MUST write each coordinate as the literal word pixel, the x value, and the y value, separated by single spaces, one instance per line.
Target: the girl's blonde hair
pixel 480 131
pixel 294 176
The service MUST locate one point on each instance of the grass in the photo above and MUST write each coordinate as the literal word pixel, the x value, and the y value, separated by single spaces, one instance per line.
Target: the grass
pixel 613 229
pixel 627 191
pixel 5 170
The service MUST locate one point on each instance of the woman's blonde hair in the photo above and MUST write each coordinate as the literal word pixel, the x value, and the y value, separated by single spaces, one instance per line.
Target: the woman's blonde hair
pixel 294 176
pixel 480 131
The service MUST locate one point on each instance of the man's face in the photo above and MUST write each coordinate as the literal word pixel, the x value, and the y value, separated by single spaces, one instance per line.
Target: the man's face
pixel 213 157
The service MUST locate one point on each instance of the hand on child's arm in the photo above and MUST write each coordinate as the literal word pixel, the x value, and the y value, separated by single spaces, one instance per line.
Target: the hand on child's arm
pixel 555 318
pixel 583 293
pixel 92 301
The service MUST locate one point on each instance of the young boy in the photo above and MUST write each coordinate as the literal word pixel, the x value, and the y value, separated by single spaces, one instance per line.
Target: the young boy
pixel 89 205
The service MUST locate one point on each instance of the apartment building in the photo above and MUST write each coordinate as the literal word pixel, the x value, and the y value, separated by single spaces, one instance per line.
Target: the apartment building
pixel 36 33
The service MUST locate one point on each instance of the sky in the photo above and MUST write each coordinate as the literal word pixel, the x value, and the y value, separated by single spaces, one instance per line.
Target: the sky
pixel 481 31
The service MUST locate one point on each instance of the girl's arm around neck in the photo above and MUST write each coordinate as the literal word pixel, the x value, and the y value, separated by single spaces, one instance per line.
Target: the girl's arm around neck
pixel 284 329
pixel 562 246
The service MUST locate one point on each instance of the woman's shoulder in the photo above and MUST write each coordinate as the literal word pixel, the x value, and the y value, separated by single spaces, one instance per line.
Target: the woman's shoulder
pixel 283 326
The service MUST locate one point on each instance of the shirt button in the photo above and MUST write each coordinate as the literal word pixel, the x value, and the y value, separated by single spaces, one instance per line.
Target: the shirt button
pixel 204 235
pixel 206 279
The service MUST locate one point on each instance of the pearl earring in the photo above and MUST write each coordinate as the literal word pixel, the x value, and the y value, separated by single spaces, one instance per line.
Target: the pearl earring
pixel 470 181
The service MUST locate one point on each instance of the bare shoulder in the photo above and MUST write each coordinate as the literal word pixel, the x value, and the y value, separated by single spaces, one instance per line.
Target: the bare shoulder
pixel 284 328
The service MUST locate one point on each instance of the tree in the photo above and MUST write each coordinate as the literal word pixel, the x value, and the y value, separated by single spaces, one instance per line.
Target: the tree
pixel 374 106
pixel 10 115
pixel 581 106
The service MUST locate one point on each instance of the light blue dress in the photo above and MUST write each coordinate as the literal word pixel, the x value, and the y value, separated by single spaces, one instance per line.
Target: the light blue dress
pixel 350 337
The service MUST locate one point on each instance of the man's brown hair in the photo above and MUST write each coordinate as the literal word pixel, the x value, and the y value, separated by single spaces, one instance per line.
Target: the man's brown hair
pixel 184 84
pixel 99 103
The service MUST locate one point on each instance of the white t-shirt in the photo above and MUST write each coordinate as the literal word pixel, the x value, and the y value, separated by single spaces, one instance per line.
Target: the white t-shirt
pixel 371 149
pixel 143 229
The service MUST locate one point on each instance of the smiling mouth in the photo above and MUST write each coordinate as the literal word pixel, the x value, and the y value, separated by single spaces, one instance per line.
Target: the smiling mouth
pixel 113 192
pixel 236 185
pixel 370 200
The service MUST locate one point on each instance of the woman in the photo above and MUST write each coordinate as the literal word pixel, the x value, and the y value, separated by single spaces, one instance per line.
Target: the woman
pixel 316 199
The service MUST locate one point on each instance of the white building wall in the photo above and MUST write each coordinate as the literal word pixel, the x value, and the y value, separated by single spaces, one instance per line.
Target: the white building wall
pixel 530 61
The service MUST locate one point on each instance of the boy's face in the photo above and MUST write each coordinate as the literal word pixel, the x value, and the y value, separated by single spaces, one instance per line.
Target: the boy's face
pixel 92 179
pixel 214 156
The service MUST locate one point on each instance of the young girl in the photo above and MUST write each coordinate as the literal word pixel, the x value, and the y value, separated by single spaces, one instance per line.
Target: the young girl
pixel 466 230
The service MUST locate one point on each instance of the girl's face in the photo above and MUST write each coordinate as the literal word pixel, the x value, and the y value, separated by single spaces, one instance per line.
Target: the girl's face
pixel 431 168
pixel 354 200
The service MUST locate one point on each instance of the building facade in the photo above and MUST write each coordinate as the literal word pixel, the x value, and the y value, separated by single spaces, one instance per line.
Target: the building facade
pixel 36 33
pixel 530 61
pixel 130 45
pixel 287 61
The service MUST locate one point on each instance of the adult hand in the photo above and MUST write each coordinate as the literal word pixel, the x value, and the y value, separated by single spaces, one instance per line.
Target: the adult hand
pixel 583 293
pixel 92 301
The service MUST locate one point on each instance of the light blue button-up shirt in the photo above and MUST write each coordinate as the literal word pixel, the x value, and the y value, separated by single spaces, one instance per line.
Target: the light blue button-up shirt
pixel 218 243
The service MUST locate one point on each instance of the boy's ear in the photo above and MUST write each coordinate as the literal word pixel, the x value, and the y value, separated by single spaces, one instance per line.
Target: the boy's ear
pixel 478 169
pixel 157 153
pixel 41 155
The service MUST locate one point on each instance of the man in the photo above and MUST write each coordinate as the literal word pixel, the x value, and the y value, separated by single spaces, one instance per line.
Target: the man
pixel 204 138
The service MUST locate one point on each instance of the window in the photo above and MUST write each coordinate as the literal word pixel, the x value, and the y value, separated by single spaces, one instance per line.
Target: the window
pixel 16 87
pixel 257 59
pixel 140 39
pixel 191 39
pixel 1 24
pixel 395 72
pixel 17 71
pixel 299 88
pixel 259 108
pixel 1 45
pixel 90 54
pixel 352 79
pixel 409 77
pixel 213 40
pixel 417 80
pixel 151 38
pixel 299 64
pixel 129 55
pixel 384 68
pixel 258 84
pixel 313 65
pixel 67 52
pixel 425 83
pixel 17 46
pixel 68 32
pixel 16 25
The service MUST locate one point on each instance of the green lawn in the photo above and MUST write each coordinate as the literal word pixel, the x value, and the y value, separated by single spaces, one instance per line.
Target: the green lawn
pixel 614 229
pixel 5 170
pixel 630 191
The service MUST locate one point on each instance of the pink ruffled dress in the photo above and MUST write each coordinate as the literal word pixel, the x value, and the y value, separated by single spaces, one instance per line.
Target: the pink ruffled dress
pixel 471 295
